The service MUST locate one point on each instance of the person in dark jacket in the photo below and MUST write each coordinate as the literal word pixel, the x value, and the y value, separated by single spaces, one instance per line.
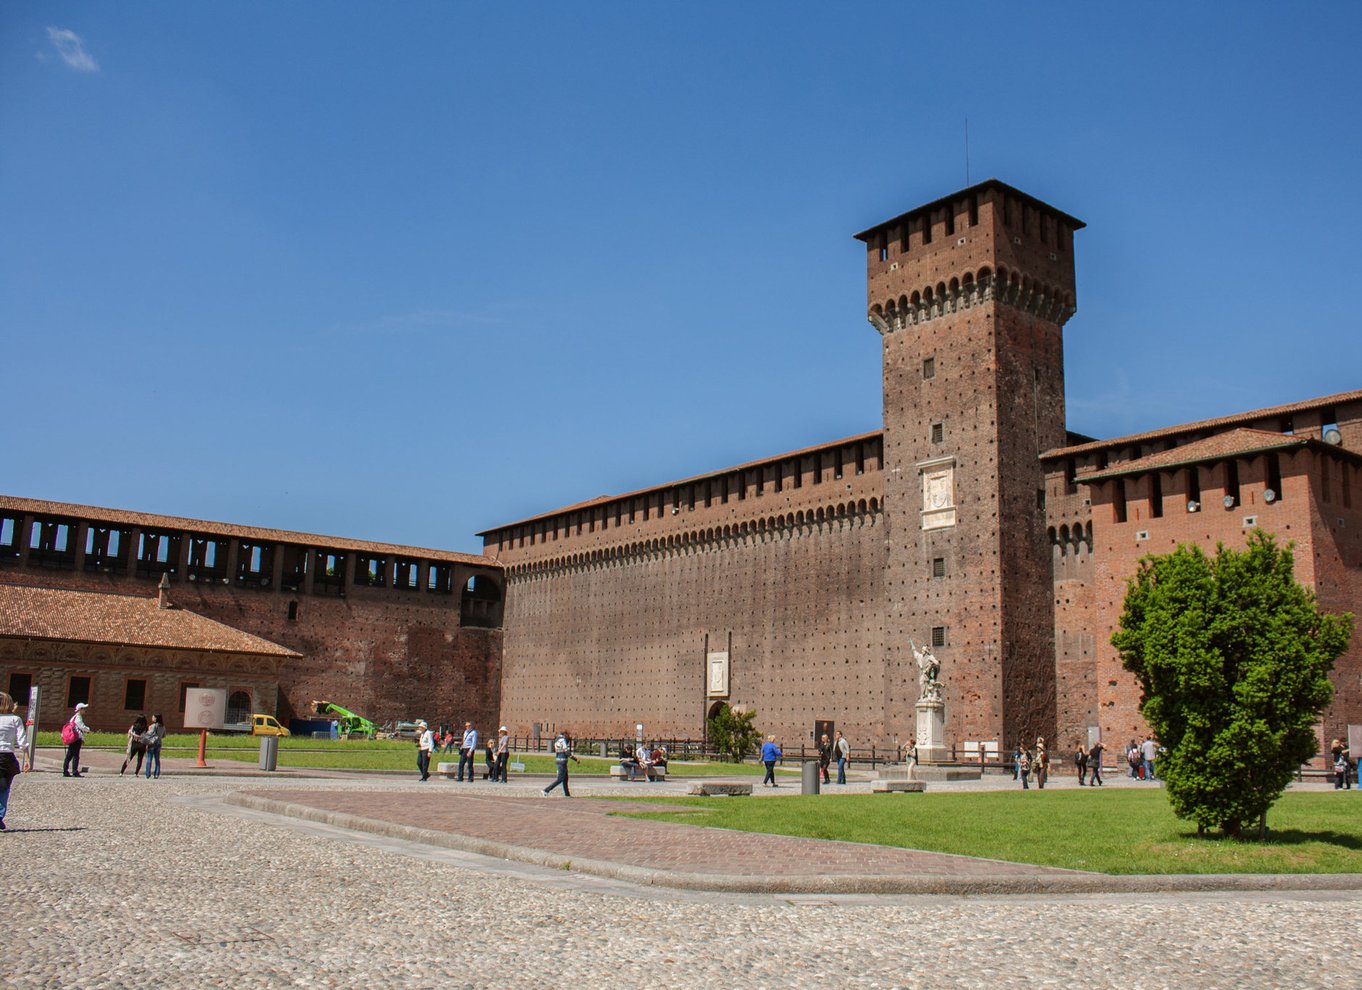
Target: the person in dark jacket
pixel 825 756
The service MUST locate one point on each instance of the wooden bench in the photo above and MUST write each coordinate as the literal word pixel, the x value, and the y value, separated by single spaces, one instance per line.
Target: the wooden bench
pixel 712 788
pixel 654 773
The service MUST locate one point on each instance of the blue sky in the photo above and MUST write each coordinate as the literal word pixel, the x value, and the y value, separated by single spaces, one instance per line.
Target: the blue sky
pixel 405 272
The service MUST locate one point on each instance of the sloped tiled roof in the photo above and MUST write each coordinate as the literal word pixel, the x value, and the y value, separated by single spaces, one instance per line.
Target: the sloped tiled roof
pixel 120 620
pixel 1234 443
pixel 147 520
pixel 1201 426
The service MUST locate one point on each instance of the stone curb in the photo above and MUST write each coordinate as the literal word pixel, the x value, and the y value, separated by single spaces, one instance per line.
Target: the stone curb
pixel 1073 883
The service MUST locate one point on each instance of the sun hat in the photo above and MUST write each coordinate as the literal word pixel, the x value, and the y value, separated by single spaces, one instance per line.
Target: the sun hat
pixel 502 729
pixel 80 705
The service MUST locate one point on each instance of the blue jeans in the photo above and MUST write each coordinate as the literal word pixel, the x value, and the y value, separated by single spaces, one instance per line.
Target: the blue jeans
pixel 562 779
pixel 153 759
pixel 9 766
pixel 466 759
pixel 841 770
pixel 1148 769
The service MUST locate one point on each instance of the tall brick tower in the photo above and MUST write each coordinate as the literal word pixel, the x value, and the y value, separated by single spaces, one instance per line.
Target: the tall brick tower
pixel 970 294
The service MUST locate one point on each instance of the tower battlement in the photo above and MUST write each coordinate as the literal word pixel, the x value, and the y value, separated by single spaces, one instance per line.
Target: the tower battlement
pixel 989 239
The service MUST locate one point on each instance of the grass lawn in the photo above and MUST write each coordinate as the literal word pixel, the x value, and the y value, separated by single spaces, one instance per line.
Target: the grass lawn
pixel 1116 831
pixel 376 754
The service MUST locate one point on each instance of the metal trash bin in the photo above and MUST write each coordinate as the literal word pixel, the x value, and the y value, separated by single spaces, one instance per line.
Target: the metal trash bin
pixel 811 778
pixel 269 752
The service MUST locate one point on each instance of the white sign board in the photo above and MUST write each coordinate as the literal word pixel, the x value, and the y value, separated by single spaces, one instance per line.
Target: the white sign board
pixel 204 708
pixel 718 675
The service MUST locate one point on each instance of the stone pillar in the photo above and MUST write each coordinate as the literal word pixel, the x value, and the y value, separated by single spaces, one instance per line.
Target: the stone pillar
pixel 134 545
pixel 390 573
pixel 423 575
pixel 931 731
pixel 277 567
pixel 311 561
pixel 81 533
pixel 233 559
pixel 181 562
pixel 24 537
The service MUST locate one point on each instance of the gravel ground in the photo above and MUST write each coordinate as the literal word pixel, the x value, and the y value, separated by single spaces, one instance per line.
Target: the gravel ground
pixel 134 883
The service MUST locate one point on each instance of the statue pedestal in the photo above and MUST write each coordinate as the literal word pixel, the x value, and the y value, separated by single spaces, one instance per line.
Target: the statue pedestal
pixel 931 731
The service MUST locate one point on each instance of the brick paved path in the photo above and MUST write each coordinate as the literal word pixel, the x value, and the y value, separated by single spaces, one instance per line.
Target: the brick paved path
pixel 586 830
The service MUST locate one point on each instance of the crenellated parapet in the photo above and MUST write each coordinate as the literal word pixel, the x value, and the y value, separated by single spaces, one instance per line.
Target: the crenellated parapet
pixel 788 526
pixel 973 289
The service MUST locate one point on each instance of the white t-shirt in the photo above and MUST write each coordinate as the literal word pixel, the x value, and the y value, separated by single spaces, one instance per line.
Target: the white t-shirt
pixel 13 736
pixel 1150 750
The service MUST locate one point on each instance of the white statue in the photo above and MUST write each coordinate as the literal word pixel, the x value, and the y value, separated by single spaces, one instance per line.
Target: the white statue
pixel 928 667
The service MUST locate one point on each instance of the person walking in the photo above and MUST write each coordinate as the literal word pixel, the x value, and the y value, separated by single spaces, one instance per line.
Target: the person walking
pixel 1081 761
pixel 73 734
pixel 137 745
pixel 468 750
pixel 13 748
pixel 425 745
pixel 843 756
pixel 155 735
pixel 1040 763
pixel 503 754
pixel 825 756
pixel 1024 768
pixel 1095 763
pixel 770 752
pixel 562 752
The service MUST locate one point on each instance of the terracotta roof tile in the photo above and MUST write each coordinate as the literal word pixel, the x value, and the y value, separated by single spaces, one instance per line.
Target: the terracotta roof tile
pixel 147 520
pixel 1235 443
pixel 99 617
pixel 1206 424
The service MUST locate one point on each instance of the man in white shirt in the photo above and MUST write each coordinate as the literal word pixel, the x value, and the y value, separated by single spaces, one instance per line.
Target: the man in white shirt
pixel 1149 749
pixel 644 756
pixel 425 743
pixel 468 750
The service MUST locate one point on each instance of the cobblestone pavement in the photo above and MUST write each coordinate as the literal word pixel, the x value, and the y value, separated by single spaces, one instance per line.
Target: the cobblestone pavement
pixel 133 883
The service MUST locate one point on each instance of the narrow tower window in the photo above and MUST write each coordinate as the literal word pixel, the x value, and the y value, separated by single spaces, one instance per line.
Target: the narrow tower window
pixel 929 367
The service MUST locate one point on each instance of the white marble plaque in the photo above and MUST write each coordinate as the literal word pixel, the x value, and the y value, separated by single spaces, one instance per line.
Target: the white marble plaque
pixel 718 675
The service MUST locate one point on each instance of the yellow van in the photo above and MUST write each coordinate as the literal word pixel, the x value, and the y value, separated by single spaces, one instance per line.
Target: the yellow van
pixel 266 725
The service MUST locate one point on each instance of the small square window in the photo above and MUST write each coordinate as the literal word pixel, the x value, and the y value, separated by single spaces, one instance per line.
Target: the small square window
pixel 929 367
pixel 938 567
pixel 938 635
pixel 938 432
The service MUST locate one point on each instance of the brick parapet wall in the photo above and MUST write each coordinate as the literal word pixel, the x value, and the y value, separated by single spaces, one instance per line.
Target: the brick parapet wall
pixel 600 645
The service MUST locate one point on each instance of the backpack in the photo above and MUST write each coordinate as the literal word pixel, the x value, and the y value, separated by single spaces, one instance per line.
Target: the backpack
pixel 69 733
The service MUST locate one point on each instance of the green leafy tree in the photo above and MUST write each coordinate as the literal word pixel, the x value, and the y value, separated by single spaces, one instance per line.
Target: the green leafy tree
pixel 1233 656
pixel 732 733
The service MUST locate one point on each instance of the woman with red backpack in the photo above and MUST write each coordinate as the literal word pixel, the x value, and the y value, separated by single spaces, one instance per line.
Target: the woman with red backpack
pixel 73 734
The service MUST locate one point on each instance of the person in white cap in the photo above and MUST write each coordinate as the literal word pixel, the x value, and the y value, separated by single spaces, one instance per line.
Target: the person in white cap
pixel 73 734
pixel 425 742
pixel 503 754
